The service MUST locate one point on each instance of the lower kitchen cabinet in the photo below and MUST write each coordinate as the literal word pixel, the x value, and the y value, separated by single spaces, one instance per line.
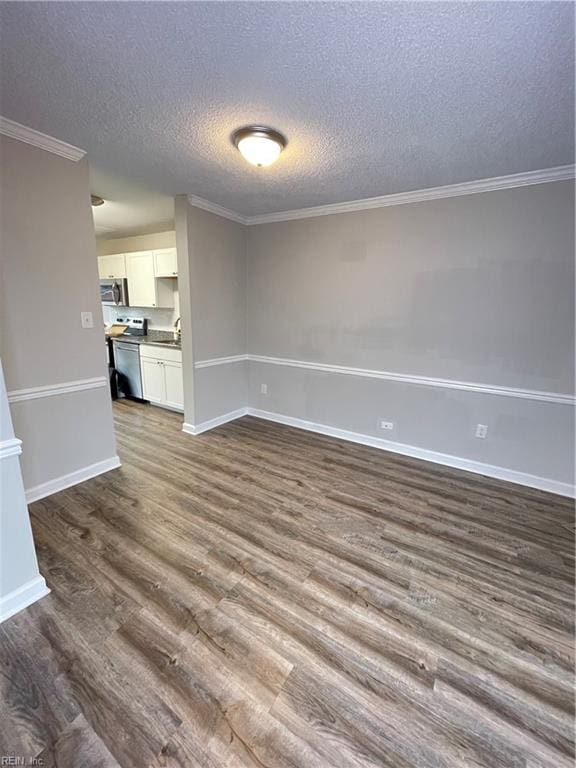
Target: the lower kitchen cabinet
pixel 153 381
pixel 162 382
pixel 174 384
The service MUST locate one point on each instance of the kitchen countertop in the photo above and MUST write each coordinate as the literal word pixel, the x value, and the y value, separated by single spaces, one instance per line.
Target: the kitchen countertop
pixel 157 338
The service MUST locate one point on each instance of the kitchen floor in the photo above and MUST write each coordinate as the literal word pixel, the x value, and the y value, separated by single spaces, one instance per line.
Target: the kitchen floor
pixel 264 596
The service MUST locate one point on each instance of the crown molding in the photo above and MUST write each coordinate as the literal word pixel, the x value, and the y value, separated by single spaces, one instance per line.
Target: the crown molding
pixel 560 173
pixel 206 205
pixel 29 136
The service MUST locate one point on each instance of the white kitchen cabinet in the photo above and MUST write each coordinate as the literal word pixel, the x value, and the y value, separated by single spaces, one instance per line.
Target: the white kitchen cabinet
pixel 153 380
pixel 112 267
pixel 162 381
pixel 165 263
pixel 144 289
pixel 141 279
pixel 174 384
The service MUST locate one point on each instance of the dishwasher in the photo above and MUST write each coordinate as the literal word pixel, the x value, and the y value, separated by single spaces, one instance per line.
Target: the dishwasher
pixel 127 364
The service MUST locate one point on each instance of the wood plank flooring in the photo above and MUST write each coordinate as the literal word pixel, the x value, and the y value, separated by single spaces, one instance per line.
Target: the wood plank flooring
pixel 262 596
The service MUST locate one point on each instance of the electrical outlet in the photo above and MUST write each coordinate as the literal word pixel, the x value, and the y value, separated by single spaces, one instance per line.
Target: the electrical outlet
pixel 481 431
pixel 386 424
pixel 86 319
pixel 263 389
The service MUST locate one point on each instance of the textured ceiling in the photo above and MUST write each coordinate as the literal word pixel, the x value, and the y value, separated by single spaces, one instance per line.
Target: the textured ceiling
pixel 129 208
pixel 375 98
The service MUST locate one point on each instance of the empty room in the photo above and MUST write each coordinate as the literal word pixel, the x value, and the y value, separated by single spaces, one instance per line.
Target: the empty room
pixel 287 345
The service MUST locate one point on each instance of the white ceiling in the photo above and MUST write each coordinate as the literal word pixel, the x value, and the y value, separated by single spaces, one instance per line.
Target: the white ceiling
pixel 375 98
pixel 129 208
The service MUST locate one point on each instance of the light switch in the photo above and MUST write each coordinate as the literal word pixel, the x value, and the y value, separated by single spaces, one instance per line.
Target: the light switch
pixel 87 320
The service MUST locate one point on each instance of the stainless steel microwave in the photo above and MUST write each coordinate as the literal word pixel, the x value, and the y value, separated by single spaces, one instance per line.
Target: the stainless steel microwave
pixel 114 292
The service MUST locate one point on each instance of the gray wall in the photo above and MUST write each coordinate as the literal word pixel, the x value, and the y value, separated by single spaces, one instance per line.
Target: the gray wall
pixel 212 258
pixel 148 242
pixel 49 276
pixel 477 288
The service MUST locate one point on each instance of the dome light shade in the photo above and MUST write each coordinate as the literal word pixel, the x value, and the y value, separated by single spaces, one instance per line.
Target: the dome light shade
pixel 258 145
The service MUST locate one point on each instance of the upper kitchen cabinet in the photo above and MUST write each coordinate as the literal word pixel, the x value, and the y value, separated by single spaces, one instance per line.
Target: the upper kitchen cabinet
pixel 112 267
pixel 165 263
pixel 144 289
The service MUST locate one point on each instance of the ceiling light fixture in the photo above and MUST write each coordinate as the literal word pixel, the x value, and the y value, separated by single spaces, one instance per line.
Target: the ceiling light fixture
pixel 259 145
pixel 95 200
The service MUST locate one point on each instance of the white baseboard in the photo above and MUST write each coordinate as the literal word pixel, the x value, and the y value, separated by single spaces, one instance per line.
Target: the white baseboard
pixel 468 465
pixel 66 481
pixel 204 426
pixel 21 598
pixel 500 473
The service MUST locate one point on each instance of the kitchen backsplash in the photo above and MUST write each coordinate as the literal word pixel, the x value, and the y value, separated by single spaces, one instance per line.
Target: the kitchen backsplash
pixel 158 319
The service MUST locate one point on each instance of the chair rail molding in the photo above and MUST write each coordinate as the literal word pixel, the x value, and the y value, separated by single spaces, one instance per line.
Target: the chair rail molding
pixel 20 132
pixel 221 361
pixel 10 447
pixel 62 388
pixel 404 378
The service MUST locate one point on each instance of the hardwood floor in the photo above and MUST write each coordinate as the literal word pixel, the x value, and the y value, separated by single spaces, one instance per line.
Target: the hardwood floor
pixel 264 596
